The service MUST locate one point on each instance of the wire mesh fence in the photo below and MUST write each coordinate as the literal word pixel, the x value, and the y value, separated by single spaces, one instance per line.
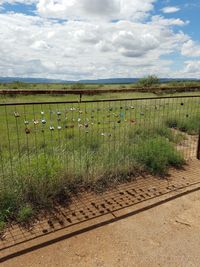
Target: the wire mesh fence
pixel 47 146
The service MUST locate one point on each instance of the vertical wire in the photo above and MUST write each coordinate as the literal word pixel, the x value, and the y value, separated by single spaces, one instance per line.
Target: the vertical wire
pixel 51 131
pixel 2 176
pixel 27 143
pixel 66 139
pixel 35 138
pixel 59 151
pixel 73 143
pixel 79 137
pixel 18 141
pixel 44 147
pixel 9 142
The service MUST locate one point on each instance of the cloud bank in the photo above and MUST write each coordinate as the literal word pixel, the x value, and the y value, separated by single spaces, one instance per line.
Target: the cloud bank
pixel 92 39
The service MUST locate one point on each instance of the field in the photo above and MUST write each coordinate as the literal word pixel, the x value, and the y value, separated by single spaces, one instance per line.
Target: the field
pixel 80 86
pixel 49 150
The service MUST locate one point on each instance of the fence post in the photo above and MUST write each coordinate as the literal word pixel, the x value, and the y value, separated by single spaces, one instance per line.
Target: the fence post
pixel 198 148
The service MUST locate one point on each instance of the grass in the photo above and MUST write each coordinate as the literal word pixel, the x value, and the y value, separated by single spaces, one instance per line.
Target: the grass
pixel 24 214
pixel 100 167
pixel 76 86
pixel 156 155
pixel 189 124
pixel 2 227
pixel 99 145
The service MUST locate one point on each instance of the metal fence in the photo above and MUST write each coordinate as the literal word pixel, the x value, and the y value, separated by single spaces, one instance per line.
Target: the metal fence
pixel 93 138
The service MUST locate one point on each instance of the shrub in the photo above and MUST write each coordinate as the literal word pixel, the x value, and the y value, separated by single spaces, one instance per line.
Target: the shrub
pixel 149 81
pixel 24 214
pixel 157 155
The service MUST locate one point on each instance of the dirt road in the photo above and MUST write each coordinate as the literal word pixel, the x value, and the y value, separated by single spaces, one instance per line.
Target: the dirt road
pixel 168 235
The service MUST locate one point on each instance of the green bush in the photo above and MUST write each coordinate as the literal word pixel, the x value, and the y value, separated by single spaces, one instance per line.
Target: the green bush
pixel 24 214
pixel 149 81
pixel 156 155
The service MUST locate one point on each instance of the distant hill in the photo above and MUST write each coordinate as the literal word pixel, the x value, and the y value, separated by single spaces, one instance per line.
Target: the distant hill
pixel 98 81
pixel 28 80
pixel 41 80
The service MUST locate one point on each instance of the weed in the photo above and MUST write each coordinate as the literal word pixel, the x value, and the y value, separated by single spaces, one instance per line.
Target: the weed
pixel 24 214
pixel 2 227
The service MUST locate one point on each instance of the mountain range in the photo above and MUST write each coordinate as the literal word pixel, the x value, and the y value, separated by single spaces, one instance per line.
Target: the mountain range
pixel 98 81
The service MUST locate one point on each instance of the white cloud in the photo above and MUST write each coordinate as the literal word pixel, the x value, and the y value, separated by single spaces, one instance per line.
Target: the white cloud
pixel 191 49
pixel 193 67
pixel 168 22
pixel 170 9
pixel 27 2
pixel 39 47
pixel 95 9
pixel 87 44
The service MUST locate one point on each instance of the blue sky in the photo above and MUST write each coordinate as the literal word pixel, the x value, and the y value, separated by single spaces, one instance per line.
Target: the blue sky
pixel 90 39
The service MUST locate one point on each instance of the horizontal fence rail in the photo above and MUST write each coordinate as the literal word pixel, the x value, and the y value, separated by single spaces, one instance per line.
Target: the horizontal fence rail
pixel 47 147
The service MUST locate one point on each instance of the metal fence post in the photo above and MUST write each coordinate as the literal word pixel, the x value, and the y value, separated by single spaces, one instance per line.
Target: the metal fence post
pixel 198 148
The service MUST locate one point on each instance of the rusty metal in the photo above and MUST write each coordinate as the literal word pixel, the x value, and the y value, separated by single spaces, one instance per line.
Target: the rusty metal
pixel 98 100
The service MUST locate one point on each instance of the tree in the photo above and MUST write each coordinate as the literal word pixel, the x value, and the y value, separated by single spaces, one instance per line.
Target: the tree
pixel 149 81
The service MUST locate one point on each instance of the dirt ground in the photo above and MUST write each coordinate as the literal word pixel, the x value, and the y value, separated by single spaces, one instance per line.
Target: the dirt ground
pixel 168 235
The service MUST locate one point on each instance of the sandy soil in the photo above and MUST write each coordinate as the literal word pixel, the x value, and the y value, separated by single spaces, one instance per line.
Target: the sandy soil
pixel 168 235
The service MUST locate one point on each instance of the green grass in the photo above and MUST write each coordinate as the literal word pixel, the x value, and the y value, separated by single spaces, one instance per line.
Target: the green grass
pixel 156 155
pixel 2 227
pixel 189 124
pixel 122 140
pixel 58 86
pixel 100 166
pixel 24 214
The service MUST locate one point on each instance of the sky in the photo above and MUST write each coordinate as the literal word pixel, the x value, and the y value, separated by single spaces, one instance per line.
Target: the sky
pixel 93 39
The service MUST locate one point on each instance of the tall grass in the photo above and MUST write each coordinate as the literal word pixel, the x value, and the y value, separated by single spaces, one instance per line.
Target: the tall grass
pixel 190 124
pixel 119 143
pixel 99 166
